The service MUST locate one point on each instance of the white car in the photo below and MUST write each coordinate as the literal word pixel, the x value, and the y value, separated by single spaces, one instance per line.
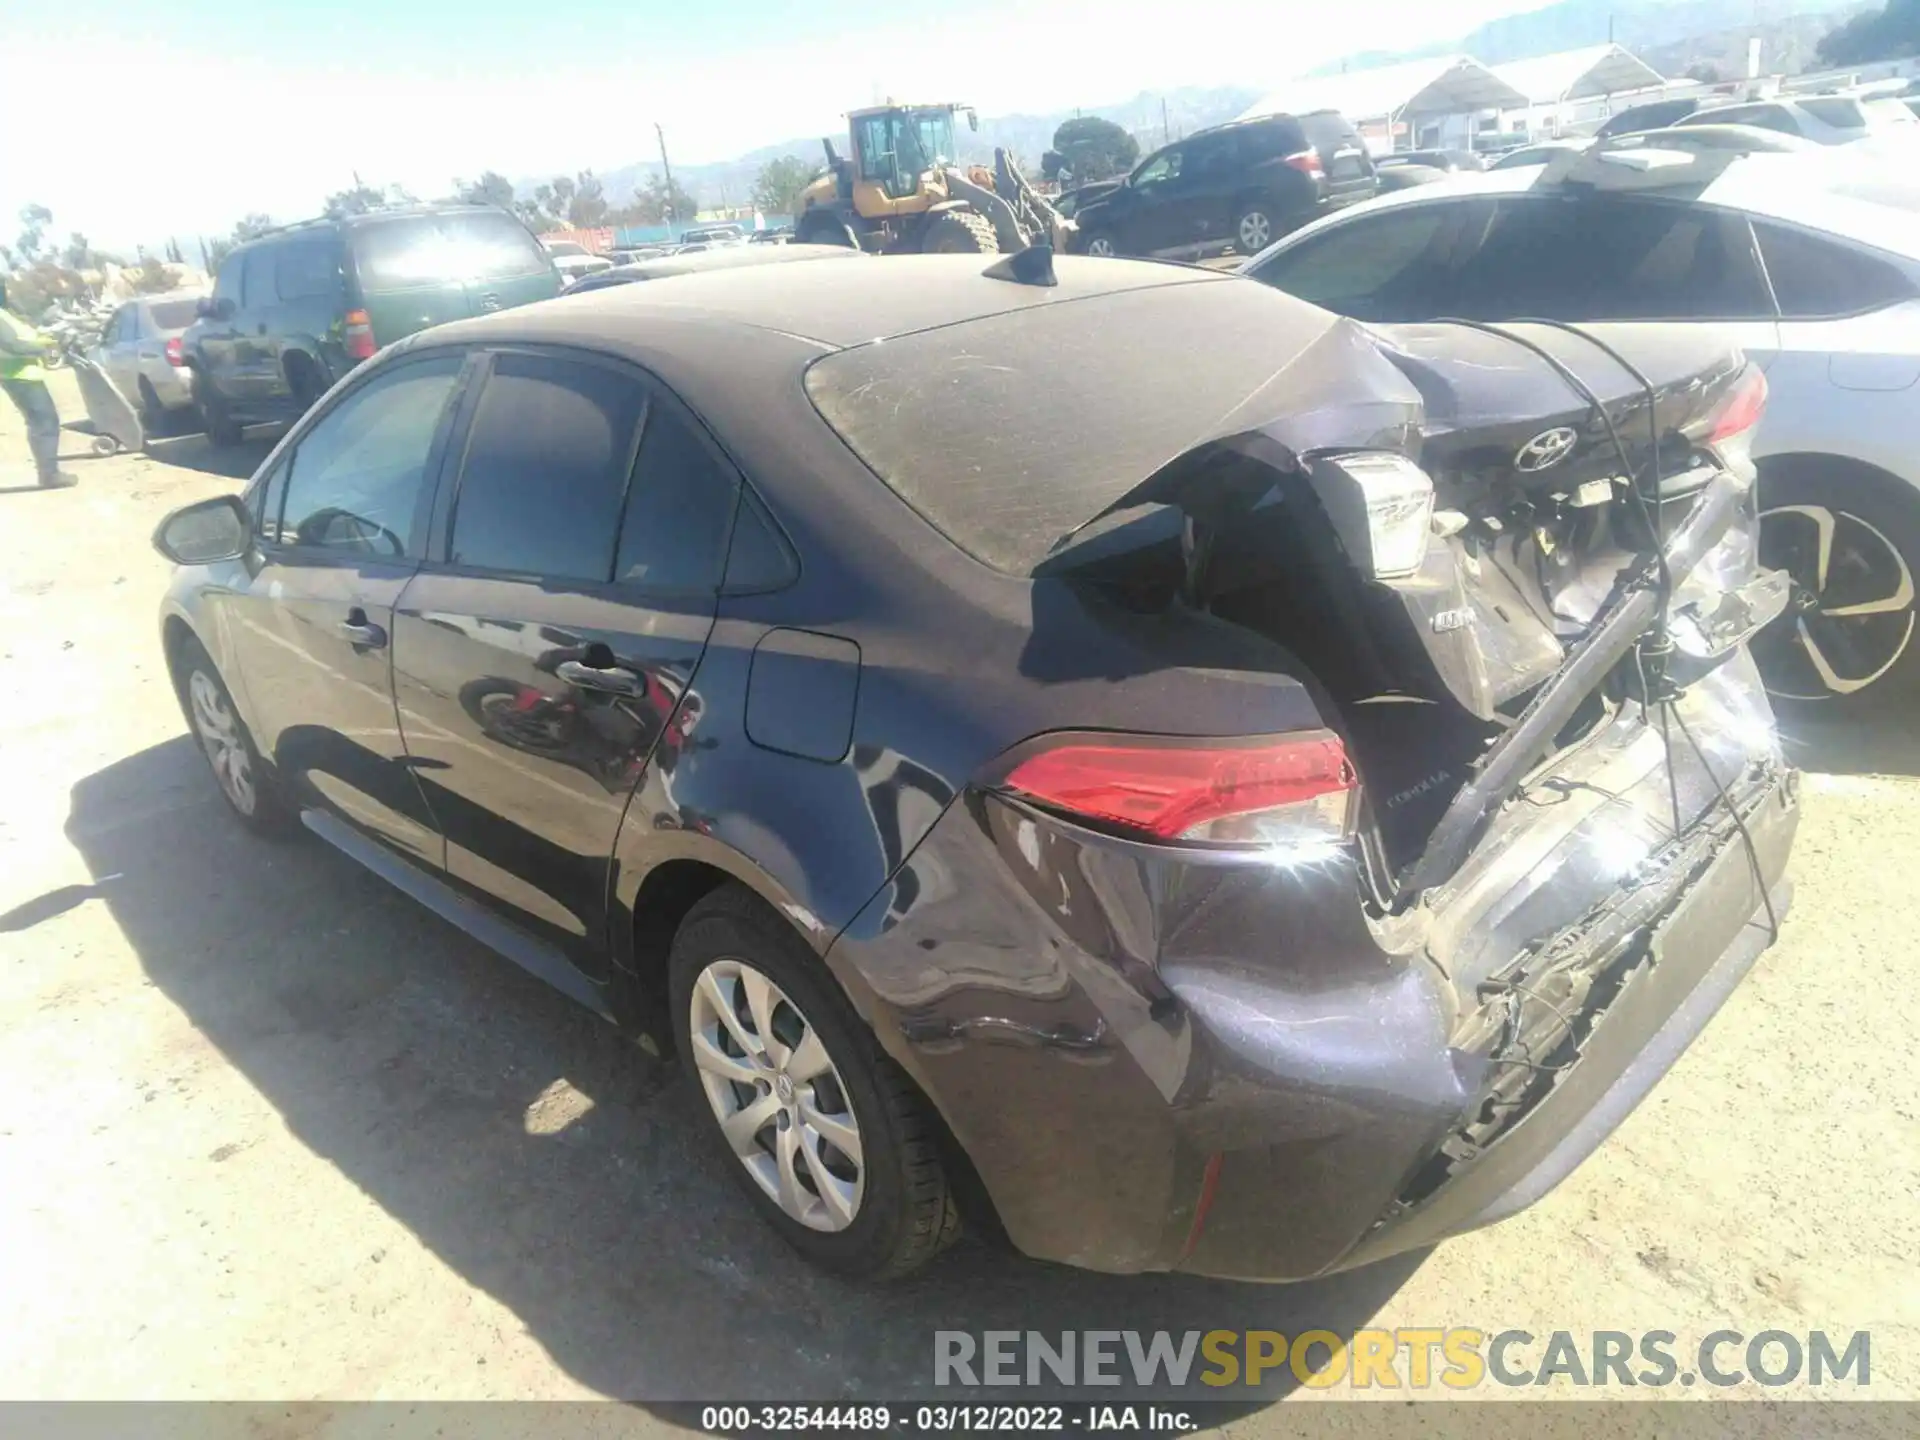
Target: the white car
pixel 1811 261
pixel 140 351
pixel 1826 119
pixel 574 260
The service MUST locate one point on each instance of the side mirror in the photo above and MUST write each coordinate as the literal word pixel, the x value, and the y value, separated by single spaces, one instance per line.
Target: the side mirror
pixel 206 532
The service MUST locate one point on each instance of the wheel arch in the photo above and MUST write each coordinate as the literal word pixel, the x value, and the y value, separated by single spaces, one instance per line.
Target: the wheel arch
pixel 1809 464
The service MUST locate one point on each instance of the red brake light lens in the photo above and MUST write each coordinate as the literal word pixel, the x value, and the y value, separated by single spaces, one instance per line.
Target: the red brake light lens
pixel 359 335
pixel 1274 790
pixel 1743 408
pixel 175 355
pixel 1307 162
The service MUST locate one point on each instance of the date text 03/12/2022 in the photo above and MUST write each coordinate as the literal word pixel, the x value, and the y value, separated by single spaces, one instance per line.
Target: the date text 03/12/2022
pixel 946 1419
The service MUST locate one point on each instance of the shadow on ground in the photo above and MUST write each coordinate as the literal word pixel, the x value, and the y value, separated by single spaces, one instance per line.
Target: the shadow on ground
pixel 1888 744
pixel 434 1075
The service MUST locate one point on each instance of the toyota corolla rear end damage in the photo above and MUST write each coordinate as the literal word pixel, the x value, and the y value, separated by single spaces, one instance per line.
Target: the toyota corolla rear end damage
pixel 1378 950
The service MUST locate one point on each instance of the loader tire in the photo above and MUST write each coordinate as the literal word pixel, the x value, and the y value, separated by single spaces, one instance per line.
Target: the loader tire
pixel 960 232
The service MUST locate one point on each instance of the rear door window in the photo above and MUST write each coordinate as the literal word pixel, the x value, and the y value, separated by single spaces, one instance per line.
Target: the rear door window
pixel 1611 259
pixel 1392 265
pixel 305 270
pixel 171 314
pixel 545 476
pixel 673 536
pixel 445 249
pixel 1816 279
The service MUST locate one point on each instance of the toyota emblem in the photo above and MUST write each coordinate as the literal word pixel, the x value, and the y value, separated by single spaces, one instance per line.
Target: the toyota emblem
pixel 1547 449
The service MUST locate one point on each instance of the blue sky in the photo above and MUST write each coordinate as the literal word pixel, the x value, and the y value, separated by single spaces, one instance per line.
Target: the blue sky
pixel 177 117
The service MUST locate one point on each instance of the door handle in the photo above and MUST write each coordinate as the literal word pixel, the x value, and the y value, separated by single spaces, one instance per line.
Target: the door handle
pixel 361 631
pixel 608 679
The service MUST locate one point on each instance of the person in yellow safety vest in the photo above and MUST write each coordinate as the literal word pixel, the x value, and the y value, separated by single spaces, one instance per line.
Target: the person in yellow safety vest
pixel 23 375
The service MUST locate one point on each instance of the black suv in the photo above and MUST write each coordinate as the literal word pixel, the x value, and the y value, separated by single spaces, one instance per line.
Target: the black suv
pixel 294 310
pixel 1242 185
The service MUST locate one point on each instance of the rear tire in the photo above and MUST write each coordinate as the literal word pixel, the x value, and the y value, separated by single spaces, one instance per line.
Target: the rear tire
pixel 1848 642
pixel 251 791
pixel 960 232
pixel 763 1031
pixel 1255 228
pixel 1100 244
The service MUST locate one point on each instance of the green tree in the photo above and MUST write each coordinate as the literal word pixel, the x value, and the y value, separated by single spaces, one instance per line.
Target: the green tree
pixel 492 188
pixel 1094 149
pixel 251 227
pixel 654 203
pixel 34 220
pixel 362 197
pixel 778 186
pixel 588 208
pixel 1889 34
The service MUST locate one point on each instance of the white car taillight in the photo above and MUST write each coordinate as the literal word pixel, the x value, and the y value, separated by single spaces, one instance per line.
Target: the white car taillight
pixel 1731 438
pixel 1398 496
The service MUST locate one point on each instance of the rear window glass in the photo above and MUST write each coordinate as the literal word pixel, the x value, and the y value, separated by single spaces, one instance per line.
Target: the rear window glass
pixel 1007 432
pixel 172 314
pixel 1328 132
pixel 424 249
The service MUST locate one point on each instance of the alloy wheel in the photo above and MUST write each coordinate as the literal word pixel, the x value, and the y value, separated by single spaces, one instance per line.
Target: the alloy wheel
pixel 777 1095
pixel 1100 245
pixel 219 731
pixel 1851 616
pixel 1256 232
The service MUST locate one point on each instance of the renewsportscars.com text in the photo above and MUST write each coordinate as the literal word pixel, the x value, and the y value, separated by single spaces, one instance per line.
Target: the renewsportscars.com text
pixel 1457 1358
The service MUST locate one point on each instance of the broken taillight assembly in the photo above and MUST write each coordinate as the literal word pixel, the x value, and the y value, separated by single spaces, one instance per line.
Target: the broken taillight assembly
pixel 1734 424
pixel 1295 790
pixel 1398 499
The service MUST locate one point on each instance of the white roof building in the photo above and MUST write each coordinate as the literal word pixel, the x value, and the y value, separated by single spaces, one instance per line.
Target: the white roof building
pixel 1579 74
pixel 1445 85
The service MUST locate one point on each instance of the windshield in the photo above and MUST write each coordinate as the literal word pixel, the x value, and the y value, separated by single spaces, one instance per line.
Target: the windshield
pixel 929 135
pixel 427 248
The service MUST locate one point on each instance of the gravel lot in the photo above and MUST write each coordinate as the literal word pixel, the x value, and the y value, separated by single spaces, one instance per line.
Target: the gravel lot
pixel 272 1131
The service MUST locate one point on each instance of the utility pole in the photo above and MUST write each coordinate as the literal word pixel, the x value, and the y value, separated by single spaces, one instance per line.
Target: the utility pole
pixel 1166 131
pixel 664 165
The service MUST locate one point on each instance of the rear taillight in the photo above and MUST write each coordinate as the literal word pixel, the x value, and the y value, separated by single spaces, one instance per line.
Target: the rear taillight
pixel 359 335
pixel 175 354
pixel 1742 410
pixel 1293 791
pixel 1307 162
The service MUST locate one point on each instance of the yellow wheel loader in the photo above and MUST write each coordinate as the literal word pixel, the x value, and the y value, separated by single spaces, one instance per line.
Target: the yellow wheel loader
pixel 898 191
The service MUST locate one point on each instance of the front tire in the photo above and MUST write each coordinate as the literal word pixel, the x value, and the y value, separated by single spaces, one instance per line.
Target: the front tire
pixel 248 787
pixel 1100 244
pixel 960 232
pixel 826 1135
pixel 1848 641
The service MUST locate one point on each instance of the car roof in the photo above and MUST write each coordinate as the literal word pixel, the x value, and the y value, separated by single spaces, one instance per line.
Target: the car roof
pixel 828 306
pixel 1849 191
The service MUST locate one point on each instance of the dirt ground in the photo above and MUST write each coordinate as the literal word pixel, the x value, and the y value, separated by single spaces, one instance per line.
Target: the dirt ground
pixel 272 1131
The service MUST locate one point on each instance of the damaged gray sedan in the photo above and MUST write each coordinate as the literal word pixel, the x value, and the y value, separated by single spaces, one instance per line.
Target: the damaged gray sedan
pixel 1215 786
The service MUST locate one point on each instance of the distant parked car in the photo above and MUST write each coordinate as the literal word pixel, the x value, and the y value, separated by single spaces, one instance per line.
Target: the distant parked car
pixel 573 259
pixel 772 235
pixel 1743 139
pixel 296 309
pixel 714 235
pixel 1826 119
pixel 1237 185
pixel 1539 154
pixel 1654 115
pixel 1811 265
pixel 141 351
pixel 717 257
pixel 1068 202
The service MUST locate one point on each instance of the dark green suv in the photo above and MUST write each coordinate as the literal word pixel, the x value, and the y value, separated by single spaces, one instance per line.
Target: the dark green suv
pixel 294 310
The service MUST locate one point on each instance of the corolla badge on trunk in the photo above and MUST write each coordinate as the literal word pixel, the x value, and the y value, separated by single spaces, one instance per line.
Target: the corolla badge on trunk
pixel 1547 449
